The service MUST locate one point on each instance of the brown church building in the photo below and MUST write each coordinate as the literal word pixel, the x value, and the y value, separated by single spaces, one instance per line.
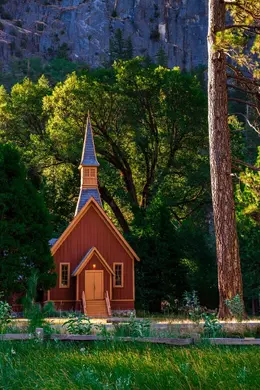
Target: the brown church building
pixel 94 263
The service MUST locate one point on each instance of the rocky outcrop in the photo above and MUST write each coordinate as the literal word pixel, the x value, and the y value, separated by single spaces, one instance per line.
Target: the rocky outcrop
pixel 85 30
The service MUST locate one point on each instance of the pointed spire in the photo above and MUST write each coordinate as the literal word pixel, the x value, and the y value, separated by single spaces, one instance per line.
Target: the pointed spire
pixel 89 157
pixel 88 167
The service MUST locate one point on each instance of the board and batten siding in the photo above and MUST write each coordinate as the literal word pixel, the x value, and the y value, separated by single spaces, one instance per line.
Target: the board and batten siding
pixel 93 231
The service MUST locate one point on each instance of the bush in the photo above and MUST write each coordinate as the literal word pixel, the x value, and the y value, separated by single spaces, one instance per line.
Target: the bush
pixel 5 315
pixel 191 306
pixel 236 307
pixel 33 311
pixel 78 325
pixel 133 328
pixel 211 326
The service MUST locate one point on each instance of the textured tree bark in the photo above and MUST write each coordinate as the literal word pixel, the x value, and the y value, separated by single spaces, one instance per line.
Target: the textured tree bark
pixel 229 269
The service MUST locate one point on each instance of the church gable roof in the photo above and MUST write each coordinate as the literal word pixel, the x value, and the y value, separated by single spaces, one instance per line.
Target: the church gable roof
pixel 88 257
pixel 93 203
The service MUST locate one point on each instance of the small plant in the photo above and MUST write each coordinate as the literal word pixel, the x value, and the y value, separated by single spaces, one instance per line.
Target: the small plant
pixel 191 306
pixel 5 314
pixel 78 325
pixel 35 313
pixel 139 328
pixel 103 331
pixel 236 307
pixel 134 328
pixel 211 327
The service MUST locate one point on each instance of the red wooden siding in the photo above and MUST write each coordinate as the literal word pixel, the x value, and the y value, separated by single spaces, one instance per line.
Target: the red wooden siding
pixel 122 305
pixel 93 231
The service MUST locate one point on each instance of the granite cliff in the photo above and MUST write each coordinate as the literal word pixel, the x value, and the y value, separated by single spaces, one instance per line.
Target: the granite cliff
pixel 84 29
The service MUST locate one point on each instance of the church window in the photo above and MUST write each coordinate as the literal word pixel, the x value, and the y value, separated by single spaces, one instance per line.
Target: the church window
pixel 118 277
pixel 86 172
pixel 64 275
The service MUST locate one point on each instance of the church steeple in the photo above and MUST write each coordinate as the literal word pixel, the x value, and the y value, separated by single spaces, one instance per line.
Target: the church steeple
pixel 88 171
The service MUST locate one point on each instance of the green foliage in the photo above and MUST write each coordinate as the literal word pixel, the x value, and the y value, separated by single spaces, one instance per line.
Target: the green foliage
pixel 55 70
pixel 211 327
pixel 191 306
pixel 162 58
pixel 235 306
pixel 24 228
pixel 248 217
pixel 33 311
pixel 120 48
pixel 103 331
pixel 150 130
pixel 133 328
pixel 78 325
pixel 5 314
pixel 63 51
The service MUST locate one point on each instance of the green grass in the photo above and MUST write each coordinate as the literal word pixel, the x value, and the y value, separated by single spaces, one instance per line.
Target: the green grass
pixel 32 365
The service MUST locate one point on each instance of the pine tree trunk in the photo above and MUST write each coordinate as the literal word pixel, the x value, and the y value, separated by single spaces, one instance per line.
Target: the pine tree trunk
pixel 229 270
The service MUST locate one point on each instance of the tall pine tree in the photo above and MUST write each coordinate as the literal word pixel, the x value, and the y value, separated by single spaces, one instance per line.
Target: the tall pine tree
pixel 238 41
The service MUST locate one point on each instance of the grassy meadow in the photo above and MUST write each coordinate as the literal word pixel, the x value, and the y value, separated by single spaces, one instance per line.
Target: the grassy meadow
pixel 57 365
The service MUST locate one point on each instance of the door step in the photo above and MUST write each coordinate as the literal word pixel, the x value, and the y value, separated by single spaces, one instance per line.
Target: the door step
pixel 96 308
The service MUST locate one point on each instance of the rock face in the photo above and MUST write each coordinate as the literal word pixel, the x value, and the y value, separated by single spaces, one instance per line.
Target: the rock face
pixel 86 30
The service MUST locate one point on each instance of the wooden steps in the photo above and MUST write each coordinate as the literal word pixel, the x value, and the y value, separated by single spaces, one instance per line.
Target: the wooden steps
pixel 96 308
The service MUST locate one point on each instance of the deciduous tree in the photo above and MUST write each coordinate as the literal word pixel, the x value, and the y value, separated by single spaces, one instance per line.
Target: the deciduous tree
pixel 24 228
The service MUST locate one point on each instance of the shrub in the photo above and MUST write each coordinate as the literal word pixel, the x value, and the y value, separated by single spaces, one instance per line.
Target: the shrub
pixel 5 315
pixel 133 328
pixel 236 307
pixel 78 325
pixel 33 311
pixel 36 315
pixel 103 331
pixel 191 306
pixel 211 327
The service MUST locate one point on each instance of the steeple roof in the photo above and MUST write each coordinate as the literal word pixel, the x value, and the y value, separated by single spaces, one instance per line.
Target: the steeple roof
pixel 89 157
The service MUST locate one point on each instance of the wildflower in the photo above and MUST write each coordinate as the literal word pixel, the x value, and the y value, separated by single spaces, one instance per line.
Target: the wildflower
pixel 13 351
pixel 82 350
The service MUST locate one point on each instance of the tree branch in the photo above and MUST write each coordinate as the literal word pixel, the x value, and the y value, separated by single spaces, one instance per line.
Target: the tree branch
pixel 246 103
pixel 246 165
pixel 108 198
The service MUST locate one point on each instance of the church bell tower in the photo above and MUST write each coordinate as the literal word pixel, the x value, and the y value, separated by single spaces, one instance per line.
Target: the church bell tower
pixel 88 171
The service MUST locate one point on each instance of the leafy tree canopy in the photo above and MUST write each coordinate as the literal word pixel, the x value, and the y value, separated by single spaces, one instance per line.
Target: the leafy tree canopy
pixel 24 228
